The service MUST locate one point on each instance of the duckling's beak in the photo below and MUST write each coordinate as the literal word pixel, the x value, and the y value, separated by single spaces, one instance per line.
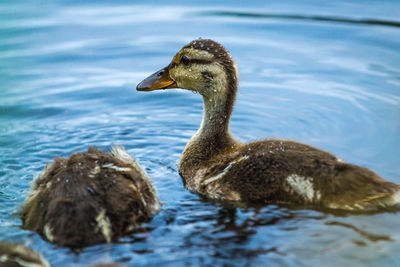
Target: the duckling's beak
pixel 158 80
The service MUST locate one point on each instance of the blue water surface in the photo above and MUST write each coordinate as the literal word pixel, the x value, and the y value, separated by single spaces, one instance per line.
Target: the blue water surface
pixel 326 73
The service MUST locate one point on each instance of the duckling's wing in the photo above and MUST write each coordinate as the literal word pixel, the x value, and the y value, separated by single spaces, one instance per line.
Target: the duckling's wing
pixel 356 188
pixel 290 172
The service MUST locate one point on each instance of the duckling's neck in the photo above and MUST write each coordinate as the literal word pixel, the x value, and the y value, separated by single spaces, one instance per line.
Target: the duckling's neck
pixel 215 122
pixel 218 97
pixel 213 137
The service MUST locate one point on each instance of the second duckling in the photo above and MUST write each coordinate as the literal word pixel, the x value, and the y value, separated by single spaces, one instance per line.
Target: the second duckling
pixel 89 198
pixel 18 255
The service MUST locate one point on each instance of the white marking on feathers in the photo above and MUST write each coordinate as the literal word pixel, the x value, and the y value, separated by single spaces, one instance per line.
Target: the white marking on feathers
pixel 225 171
pixel 130 228
pixel 95 171
pixel 346 206
pixel 156 205
pixel 35 259
pixel 214 191
pixel 333 206
pixel 236 68
pixel 396 198
pixel 234 196
pixel 194 185
pixel 139 193
pixel 20 249
pixel 3 258
pixel 386 201
pixel 121 154
pixel 218 191
pixel 317 195
pixel 133 187
pixel 103 223
pixel 42 263
pixel 393 200
pixel 120 169
pixel 48 233
pixel 212 179
pixel 303 186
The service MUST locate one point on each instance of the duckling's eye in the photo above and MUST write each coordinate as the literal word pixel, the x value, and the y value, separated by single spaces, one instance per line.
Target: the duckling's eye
pixel 185 60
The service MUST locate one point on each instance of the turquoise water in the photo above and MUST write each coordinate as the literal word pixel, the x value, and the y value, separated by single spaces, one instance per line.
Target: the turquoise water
pixel 327 74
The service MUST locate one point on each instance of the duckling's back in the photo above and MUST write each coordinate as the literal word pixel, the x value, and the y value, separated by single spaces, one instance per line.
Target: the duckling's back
pixel 281 171
pixel 90 198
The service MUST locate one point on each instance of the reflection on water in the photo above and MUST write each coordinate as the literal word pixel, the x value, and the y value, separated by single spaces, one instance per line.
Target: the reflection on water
pixel 369 236
pixel 327 74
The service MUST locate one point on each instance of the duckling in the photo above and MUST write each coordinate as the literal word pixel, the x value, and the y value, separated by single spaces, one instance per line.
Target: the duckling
pixel 89 198
pixel 17 255
pixel 216 166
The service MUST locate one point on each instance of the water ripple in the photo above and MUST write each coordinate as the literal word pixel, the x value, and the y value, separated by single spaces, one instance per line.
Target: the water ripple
pixel 301 17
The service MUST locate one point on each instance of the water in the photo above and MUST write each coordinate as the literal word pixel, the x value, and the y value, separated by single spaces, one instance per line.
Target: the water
pixel 327 74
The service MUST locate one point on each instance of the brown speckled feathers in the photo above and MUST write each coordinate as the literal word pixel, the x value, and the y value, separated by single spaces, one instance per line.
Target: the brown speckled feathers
pixel 217 166
pixel 90 198
pixel 258 173
pixel 17 255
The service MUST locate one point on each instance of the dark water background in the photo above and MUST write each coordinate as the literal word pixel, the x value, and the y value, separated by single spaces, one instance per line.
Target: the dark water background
pixel 326 73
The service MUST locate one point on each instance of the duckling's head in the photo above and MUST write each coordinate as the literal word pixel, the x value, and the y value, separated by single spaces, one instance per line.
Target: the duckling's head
pixel 202 66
